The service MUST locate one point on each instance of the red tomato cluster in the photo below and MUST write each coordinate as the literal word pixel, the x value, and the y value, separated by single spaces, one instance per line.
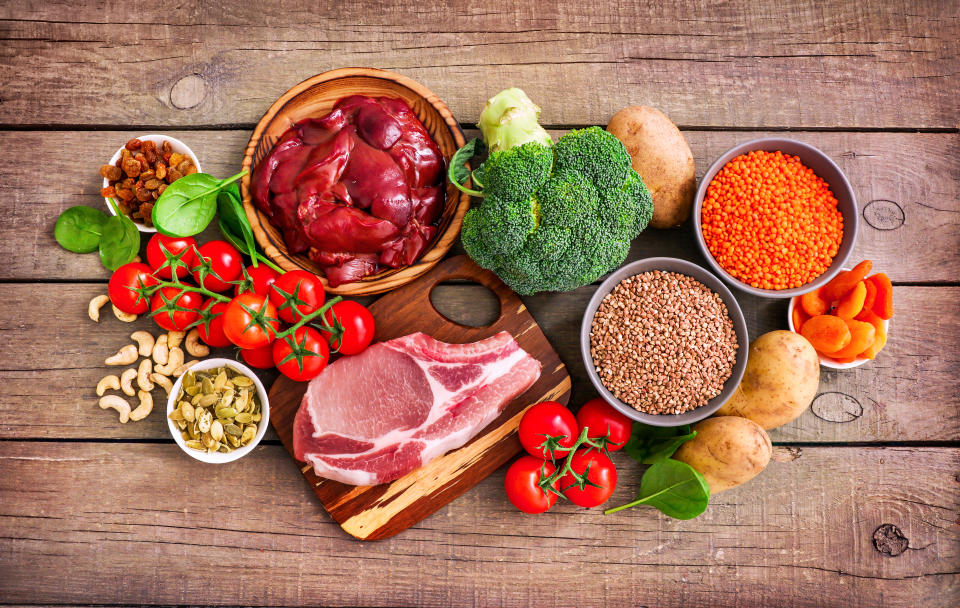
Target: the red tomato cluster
pixel 548 431
pixel 262 304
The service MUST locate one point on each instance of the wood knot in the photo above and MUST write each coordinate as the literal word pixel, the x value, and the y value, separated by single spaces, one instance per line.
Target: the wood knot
pixel 188 92
pixel 883 214
pixel 889 540
pixel 836 407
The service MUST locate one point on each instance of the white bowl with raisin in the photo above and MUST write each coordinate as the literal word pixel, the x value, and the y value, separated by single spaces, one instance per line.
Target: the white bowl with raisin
pixel 176 146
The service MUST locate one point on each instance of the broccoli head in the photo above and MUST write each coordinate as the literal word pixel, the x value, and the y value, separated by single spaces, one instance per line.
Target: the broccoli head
pixel 553 218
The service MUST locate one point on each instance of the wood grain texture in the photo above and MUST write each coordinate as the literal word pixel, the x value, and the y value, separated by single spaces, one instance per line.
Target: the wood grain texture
pixel 908 394
pixel 827 64
pixel 378 512
pixel 315 98
pixel 116 521
pixel 907 187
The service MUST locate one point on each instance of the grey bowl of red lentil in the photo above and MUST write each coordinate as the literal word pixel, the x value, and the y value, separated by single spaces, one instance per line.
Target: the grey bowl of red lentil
pixel 733 311
pixel 824 167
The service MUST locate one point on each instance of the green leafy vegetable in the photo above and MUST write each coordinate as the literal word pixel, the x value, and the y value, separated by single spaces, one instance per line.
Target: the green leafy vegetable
pixel 651 444
pixel 188 205
pixel 236 228
pixel 674 488
pixel 78 229
pixel 458 171
pixel 120 240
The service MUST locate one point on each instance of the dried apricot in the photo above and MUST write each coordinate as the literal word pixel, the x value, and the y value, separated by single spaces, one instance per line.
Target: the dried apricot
pixel 851 304
pixel 871 295
pixel 883 305
pixel 826 333
pixel 800 316
pixel 861 337
pixel 845 281
pixel 813 304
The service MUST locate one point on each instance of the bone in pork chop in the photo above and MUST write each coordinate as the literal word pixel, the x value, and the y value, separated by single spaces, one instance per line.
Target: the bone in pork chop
pixel 374 417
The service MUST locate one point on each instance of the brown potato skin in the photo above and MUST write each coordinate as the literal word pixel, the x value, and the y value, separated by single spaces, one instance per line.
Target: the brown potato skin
pixel 663 159
pixel 727 451
pixel 780 382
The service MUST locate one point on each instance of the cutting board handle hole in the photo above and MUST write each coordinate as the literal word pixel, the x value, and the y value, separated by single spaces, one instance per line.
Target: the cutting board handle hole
pixel 465 303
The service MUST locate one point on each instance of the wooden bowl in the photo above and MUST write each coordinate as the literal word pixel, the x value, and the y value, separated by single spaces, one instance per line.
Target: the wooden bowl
pixel 314 98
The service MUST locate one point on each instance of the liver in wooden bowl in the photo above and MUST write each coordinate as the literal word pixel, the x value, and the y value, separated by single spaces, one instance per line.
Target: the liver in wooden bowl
pixel 315 98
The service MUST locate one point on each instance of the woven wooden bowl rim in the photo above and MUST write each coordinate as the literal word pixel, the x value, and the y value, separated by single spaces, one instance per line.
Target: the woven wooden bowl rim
pixel 269 237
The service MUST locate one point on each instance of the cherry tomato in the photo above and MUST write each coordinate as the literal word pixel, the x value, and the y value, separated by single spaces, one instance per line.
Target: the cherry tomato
pixel 602 472
pixel 311 349
pixel 241 326
pixel 175 320
pixel 124 285
pixel 605 422
pixel 296 293
pixel 353 325
pixel 521 484
pixel 261 358
pixel 182 252
pixel 548 418
pixel 217 263
pixel 257 279
pixel 211 323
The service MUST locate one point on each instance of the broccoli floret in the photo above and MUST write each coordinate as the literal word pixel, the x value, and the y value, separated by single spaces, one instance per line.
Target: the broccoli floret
pixel 554 218
pixel 516 173
pixel 594 152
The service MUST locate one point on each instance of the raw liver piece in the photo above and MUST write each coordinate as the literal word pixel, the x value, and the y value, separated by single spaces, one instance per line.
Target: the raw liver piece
pixel 374 417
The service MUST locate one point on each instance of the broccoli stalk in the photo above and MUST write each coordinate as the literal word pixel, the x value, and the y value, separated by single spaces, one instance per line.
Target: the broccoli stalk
pixel 553 216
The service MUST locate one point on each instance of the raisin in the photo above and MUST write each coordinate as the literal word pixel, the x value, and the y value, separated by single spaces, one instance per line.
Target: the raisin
pixel 108 192
pixel 161 171
pixel 133 144
pixel 154 194
pixel 151 184
pixel 182 166
pixel 175 159
pixel 110 172
pixel 167 148
pixel 146 210
pixel 148 174
pixel 131 167
pixel 151 156
pixel 125 194
pixel 173 175
pixel 161 189
pixel 127 182
pixel 143 195
pixel 149 146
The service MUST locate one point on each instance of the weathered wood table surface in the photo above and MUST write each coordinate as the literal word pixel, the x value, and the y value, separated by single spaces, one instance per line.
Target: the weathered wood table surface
pixel 92 512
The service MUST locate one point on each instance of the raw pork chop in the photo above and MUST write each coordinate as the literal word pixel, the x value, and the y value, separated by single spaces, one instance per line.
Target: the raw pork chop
pixel 376 416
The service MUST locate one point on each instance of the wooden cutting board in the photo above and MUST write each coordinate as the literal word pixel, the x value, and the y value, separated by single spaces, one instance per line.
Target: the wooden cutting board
pixel 377 512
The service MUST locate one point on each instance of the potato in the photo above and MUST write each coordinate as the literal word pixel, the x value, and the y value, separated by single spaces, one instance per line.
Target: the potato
pixel 727 451
pixel 662 158
pixel 780 382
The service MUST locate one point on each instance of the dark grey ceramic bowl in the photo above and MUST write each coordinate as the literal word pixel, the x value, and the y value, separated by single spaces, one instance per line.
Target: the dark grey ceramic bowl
pixel 824 167
pixel 733 309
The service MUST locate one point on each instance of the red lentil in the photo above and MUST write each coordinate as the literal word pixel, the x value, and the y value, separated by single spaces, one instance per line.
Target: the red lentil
pixel 770 221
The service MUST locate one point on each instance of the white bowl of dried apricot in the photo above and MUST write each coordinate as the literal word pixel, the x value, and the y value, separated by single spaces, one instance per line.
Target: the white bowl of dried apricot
pixel 140 171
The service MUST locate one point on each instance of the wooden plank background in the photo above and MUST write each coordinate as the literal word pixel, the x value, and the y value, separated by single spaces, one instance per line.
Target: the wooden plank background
pixel 92 512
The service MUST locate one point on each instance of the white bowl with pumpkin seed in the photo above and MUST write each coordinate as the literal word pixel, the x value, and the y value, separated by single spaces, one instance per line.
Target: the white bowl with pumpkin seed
pixel 218 411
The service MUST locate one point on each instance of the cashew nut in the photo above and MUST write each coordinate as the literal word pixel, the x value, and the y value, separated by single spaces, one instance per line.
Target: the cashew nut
pixel 174 361
pixel 143 375
pixel 162 381
pixel 93 308
pixel 193 345
pixel 145 340
pixel 160 350
pixel 126 380
pixel 124 356
pixel 118 403
pixel 106 382
pixel 146 406
pixel 123 316
pixel 174 338
pixel 183 368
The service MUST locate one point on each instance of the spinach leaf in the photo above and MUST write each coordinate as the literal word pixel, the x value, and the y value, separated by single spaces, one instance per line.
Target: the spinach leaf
pixel 120 241
pixel 188 205
pixel 674 488
pixel 78 229
pixel 651 444
pixel 233 221
pixel 458 171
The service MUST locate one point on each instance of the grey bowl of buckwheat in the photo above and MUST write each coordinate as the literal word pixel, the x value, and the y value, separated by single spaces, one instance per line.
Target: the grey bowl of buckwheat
pixel 664 341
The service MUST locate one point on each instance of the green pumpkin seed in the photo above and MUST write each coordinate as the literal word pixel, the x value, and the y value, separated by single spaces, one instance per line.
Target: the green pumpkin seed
pixel 219 382
pixel 244 417
pixel 206 386
pixel 234 441
pixel 216 430
pixel 207 400
pixel 242 381
pixel 194 444
pixel 192 390
pixel 226 412
pixel 189 380
pixel 232 429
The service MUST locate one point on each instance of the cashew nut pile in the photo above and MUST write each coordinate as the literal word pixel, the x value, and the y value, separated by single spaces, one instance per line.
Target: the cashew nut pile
pixel 162 359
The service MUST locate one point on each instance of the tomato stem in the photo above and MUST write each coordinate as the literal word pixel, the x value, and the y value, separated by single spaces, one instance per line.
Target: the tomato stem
pixel 199 290
pixel 548 484
pixel 307 318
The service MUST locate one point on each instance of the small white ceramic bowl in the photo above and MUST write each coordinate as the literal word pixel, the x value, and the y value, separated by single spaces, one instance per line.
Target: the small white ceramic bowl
pixel 827 361
pixel 176 144
pixel 219 457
